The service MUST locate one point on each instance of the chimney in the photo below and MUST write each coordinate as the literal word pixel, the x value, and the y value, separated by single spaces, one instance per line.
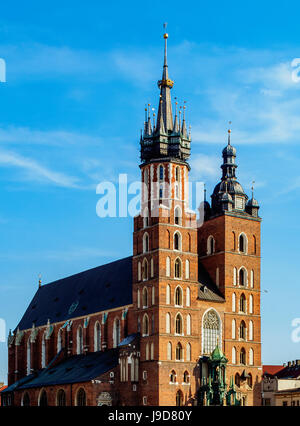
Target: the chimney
pixel 297 361
pixel 289 363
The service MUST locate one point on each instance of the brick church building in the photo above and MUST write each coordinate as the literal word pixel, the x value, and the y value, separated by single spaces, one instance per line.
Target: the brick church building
pixel 176 323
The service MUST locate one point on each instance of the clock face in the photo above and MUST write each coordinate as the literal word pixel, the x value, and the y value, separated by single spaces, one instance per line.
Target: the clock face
pixel 239 203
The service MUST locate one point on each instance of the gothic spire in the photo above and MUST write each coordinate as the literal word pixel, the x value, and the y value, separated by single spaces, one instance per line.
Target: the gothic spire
pixel 165 106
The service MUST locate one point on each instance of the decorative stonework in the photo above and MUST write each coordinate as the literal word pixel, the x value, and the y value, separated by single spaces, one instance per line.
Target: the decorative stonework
pixel 104 399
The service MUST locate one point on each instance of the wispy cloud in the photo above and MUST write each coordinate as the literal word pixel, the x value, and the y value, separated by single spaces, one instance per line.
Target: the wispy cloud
pixel 35 171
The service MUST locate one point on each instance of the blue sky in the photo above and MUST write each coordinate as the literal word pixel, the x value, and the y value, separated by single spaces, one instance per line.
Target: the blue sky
pixel 78 77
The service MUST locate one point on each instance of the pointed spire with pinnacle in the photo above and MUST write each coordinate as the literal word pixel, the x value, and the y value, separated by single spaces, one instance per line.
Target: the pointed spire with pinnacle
pixel 176 124
pixel 183 128
pixel 165 85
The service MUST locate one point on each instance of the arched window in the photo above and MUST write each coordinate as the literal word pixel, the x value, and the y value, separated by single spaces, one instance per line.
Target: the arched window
pixel 188 324
pixel 146 184
pixel 153 295
pixel 177 216
pixel 161 191
pixel 237 380
pixel 189 242
pixel 168 294
pixel 186 377
pixel 81 398
pixel 59 341
pixel 233 355
pixel 146 217
pixel 28 356
pixel 43 354
pixel 187 269
pixel 210 245
pixel 177 174
pixel 243 330
pixel 116 332
pixel 252 278
pixel 249 380
pixel 177 241
pixel 173 377
pixel 145 242
pixel 233 328
pixel 61 398
pixel 26 400
pixel 168 323
pixel 168 266
pixel 179 398
pixel 243 303
pixel 177 268
pixel 179 352
pixel 139 271
pixel 43 402
pixel 188 352
pixel 243 357
pixel 243 277
pixel 233 302
pixel 97 337
pixel 233 241
pixel 152 351
pixel 138 298
pixel 145 325
pixel 250 330
pixel 147 352
pixel 251 356
pixel 234 276
pixel 151 268
pixel 211 331
pixel 168 239
pixel 178 296
pixel 243 243
pixel 79 340
pixel 153 324
pixel 250 304
pixel 145 297
pixel 178 324
pixel 188 296
pixel 145 269
pixel 169 351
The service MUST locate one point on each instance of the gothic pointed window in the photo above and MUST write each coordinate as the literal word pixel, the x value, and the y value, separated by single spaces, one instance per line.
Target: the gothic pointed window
pixel 116 332
pixel 138 298
pixel 243 243
pixel 97 337
pixel 243 357
pixel 211 331
pixel 179 398
pixel 177 241
pixel 79 340
pixel 43 354
pixel 250 330
pixel 188 324
pixel 139 271
pixel 145 325
pixel 147 352
pixel 43 402
pixel 145 269
pixel 152 351
pixel 233 355
pixel 188 352
pixel 161 172
pixel 233 328
pixel 168 266
pixel 251 356
pixel 145 242
pixel 178 296
pixel 26 400
pixel 243 303
pixel 28 369
pixel 151 268
pixel 233 302
pixel 81 398
pixel 178 324
pixel 145 297
pixel 250 304
pixel 168 294
pixel 243 330
pixel 187 269
pixel 177 216
pixel 169 351
pixel 188 296
pixel 177 268
pixel 179 352
pixel 173 377
pixel 168 323
pixel 242 277
pixel 61 398
pixel 186 377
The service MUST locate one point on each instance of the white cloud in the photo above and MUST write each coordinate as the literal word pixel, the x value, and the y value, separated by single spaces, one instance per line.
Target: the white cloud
pixel 35 171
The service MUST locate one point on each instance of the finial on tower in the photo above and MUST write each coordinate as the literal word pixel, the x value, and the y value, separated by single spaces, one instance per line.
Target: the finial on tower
pixel 40 280
pixel 252 188
pixel 229 132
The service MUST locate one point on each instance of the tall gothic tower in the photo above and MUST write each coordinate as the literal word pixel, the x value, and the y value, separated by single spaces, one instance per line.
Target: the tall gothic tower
pixel 194 290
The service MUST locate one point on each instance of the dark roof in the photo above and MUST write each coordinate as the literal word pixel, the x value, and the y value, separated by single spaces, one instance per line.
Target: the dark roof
pixel 207 288
pixel 95 290
pixel 289 372
pixel 129 339
pixel 75 369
